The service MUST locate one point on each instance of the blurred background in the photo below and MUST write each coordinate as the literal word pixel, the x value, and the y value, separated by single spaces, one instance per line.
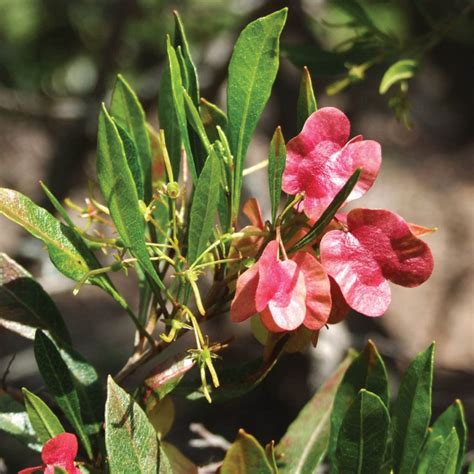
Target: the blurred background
pixel 58 61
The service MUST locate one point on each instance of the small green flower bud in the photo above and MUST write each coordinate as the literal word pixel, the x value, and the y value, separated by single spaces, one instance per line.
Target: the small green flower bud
pixel 172 190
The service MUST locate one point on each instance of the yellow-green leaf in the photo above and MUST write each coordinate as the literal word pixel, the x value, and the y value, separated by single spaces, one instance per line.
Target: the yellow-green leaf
pixel 399 71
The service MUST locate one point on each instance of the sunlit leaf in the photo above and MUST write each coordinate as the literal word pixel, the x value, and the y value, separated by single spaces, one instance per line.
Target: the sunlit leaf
pixel 306 99
pixel 130 439
pixel 399 71
pixel 445 459
pixel 304 444
pixel 245 456
pixel 128 112
pixel 44 422
pixel 412 412
pixel 195 120
pixel 252 71
pixel 25 306
pixel 363 435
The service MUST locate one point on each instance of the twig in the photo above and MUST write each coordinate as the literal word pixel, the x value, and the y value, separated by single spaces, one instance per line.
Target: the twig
pixel 207 439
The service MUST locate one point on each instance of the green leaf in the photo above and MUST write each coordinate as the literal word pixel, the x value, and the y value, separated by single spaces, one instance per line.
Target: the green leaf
pixel 204 207
pixel 367 371
pixel 44 422
pixel 179 463
pixel 131 154
pixel 194 119
pixel 451 418
pixel 118 189
pixel 88 387
pixel 212 116
pixel 181 41
pixel 471 467
pixel 445 459
pixel 306 100
pixel 276 165
pixel 399 71
pixel 245 456
pixel 25 306
pixel 176 88
pixel 328 215
pixel 252 71
pixel 60 383
pixel 130 439
pixel 42 225
pixel 305 443
pixel 128 112
pixel 169 120
pixel 363 436
pixel 14 421
pixel 412 412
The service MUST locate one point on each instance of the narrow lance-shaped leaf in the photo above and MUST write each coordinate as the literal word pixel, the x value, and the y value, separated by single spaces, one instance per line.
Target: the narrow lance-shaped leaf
pixel 131 154
pixel 176 88
pixel 305 443
pixel 363 436
pixel 169 120
pixel 130 439
pixel 212 116
pixel 204 207
pixel 181 40
pixel 412 412
pixel 246 456
pixel 367 371
pixel 445 459
pixel 128 112
pixel 25 306
pixel 118 189
pixel 15 422
pixel 306 100
pixel 195 120
pixel 252 71
pixel 451 418
pixel 60 383
pixel 44 422
pixel 399 71
pixel 330 212
pixel 276 165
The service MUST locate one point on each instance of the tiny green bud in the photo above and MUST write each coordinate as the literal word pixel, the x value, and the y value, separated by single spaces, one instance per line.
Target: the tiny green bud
pixel 172 190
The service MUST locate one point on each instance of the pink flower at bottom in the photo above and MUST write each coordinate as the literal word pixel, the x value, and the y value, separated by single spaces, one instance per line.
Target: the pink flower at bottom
pixel 60 451
pixel 287 293
pixel 379 247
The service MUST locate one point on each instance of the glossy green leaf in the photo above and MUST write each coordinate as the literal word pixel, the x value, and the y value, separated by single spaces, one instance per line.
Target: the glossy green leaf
pixel 25 306
pixel 60 384
pixel 328 215
pixel 128 112
pixel 176 88
pixel 306 100
pixel 204 207
pixel 42 225
pixel 445 459
pixel 399 71
pixel 130 439
pixel 245 456
pixel 252 71
pixel 412 412
pixel 178 462
pixel 131 154
pixel 44 422
pixel 276 165
pixel 363 435
pixel 118 189
pixel 304 445
pixel 181 41
pixel 15 422
pixel 212 117
pixel 367 371
pixel 194 119
pixel 451 418
pixel 169 120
